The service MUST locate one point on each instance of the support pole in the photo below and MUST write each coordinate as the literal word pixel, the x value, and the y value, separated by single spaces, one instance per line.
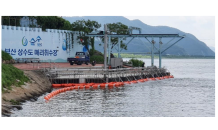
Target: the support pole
pixel 105 46
pixel 118 47
pixel 160 58
pixel 109 49
pixel 152 52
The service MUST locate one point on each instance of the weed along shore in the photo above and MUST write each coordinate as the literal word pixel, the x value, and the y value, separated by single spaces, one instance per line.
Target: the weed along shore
pixel 31 90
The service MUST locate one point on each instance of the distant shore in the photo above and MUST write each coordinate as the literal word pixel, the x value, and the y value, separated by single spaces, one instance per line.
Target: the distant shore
pixel 173 57
pixel 148 56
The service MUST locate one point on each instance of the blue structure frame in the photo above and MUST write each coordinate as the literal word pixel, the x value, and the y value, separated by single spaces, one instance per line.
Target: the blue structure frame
pixel 146 36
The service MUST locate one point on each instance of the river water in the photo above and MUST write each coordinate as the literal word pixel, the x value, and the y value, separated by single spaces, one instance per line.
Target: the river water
pixel 191 94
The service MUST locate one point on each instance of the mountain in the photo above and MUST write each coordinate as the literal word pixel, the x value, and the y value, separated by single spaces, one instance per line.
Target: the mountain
pixel 190 45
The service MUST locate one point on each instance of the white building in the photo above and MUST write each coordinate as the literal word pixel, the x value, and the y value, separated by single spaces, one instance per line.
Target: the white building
pixel 52 44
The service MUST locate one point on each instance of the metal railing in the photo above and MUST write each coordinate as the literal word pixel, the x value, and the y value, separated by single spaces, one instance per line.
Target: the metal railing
pixel 116 74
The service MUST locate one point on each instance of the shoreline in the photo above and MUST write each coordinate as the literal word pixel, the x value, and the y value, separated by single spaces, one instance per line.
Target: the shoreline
pixel 38 85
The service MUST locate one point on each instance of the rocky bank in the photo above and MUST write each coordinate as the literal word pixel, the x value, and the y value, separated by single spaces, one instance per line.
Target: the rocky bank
pixel 38 85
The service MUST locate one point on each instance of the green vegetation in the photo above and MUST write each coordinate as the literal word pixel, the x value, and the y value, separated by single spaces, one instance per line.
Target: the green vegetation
pixel 52 22
pixel 86 27
pixel 6 56
pixel 117 28
pixel 11 20
pixel 133 56
pixel 163 57
pixel 97 58
pixel 136 62
pixel 11 75
pixel 14 102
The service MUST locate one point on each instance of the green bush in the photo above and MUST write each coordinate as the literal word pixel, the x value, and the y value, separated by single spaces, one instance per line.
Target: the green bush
pixel 136 62
pixel 6 56
pixel 97 58
pixel 12 76
pixel 92 51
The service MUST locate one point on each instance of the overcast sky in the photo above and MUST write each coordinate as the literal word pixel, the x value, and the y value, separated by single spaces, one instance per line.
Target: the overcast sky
pixel 202 26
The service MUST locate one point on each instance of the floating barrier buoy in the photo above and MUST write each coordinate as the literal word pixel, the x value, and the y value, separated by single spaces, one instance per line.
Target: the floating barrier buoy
pixel 87 86
pixel 117 84
pixel 76 87
pixel 81 87
pixel 91 84
pixel 141 80
pixel 103 85
pixel 66 85
pixel 56 85
pixel 65 89
pixel 110 85
pixel 165 77
pixel 146 79
pixel 171 76
pixel 134 81
pixel 46 98
pixel 127 82
pixel 158 78
pixel 95 86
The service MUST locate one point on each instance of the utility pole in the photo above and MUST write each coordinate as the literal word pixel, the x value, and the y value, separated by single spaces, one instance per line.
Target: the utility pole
pixel 152 52
pixel 160 43
pixel 105 46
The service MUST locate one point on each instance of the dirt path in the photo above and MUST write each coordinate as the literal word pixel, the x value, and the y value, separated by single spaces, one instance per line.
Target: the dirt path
pixel 38 85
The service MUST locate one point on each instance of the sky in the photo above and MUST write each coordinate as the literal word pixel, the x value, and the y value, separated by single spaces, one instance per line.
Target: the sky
pixel 203 27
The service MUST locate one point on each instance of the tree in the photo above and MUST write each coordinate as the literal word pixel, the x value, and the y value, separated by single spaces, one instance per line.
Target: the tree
pixel 53 22
pixel 11 20
pixel 117 28
pixel 85 27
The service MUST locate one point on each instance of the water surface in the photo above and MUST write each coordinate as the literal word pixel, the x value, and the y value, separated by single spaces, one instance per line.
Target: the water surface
pixel 190 93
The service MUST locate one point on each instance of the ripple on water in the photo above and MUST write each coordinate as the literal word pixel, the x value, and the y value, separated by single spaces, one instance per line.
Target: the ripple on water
pixel 171 97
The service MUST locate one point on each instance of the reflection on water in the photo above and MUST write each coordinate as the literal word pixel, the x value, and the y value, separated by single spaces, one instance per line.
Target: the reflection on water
pixel 185 95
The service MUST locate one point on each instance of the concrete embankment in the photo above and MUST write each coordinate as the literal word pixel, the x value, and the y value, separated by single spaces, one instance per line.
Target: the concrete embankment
pixel 38 85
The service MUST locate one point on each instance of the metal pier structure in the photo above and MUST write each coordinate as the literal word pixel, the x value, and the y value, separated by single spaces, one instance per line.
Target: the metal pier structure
pixel 101 75
pixel 107 43
pixel 105 75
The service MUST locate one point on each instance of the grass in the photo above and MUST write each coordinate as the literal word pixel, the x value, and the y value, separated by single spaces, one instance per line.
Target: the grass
pixel 6 56
pixel 12 76
pixel 14 102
